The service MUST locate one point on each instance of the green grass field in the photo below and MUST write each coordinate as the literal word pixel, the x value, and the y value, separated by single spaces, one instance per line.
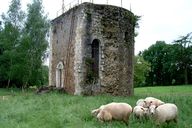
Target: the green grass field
pixel 55 110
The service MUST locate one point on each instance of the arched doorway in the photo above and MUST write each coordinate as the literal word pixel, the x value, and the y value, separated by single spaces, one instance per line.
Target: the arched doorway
pixel 95 58
pixel 59 75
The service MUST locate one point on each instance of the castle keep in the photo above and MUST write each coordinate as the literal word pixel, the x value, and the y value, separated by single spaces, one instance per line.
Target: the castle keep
pixel 92 49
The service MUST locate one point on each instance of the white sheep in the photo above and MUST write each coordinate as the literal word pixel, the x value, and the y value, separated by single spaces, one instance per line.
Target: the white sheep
pixel 140 102
pixel 164 113
pixel 96 111
pixel 140 112
pixel 104 115
pixel 152 101
pixel 117 111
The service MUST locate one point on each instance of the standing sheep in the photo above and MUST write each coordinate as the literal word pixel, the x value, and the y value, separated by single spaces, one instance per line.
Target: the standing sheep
pixel 164 113
pixel 140 112
pixel 96 111
pixel 140 102
pixel 152 101
pixel 117 111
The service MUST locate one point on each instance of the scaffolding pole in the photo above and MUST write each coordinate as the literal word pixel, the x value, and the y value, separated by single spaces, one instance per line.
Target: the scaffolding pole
pixel 63 6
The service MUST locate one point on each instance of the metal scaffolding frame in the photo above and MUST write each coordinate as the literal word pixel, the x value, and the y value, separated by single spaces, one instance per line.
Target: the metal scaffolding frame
pixel 73 3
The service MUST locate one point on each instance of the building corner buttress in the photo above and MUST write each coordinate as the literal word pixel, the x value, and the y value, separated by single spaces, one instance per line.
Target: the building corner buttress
pixel 50 60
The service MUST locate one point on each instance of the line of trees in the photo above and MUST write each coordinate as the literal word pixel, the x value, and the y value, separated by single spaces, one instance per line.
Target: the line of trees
pixel 23 43
pixel 165 64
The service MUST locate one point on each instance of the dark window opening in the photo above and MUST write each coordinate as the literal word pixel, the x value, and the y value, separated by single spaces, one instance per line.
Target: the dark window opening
pixel 95 58
pixel 60 78
pixel 126 37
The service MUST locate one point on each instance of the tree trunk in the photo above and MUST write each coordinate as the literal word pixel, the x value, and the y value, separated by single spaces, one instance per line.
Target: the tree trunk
pixel 8 83
pixel 185 75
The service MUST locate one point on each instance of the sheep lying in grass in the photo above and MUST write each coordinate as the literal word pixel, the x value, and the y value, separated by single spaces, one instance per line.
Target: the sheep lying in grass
pixel 140 112
pixel 116 111
pixel 152 101
pixel 164 113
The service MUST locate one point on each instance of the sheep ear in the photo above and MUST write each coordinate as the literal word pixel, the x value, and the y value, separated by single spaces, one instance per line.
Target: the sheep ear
pixel 144 101
pixel 143 109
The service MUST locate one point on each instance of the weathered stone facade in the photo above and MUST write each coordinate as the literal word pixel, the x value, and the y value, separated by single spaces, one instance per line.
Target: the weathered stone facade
pixel 92 48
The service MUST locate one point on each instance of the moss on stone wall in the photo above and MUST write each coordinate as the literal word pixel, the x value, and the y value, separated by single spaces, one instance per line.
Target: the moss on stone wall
pixel 90 74
pixel 88 15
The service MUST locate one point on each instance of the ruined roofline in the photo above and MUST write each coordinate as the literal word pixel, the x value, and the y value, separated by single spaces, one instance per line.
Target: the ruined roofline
pixel 88 4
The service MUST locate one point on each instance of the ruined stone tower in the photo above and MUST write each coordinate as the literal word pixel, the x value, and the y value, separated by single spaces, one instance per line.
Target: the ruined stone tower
pixel 92 49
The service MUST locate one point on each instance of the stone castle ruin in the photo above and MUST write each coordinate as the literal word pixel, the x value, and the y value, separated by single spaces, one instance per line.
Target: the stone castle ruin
pixel 92 49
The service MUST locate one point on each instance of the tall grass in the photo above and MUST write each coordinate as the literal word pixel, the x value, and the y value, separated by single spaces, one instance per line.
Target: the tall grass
pixel 55 110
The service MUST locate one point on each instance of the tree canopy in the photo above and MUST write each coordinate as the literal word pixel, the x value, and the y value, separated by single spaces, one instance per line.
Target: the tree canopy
pixel 23 41
pixel 169 63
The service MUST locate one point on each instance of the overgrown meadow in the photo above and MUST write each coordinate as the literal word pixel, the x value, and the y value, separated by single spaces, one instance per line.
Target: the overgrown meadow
pixel 26 109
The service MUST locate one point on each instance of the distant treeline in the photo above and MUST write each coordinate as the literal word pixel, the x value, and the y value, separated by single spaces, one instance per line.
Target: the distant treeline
pixel 23 45
pixel 165 64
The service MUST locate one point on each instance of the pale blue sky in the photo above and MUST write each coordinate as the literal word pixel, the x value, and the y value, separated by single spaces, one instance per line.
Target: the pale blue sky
pixel 161 19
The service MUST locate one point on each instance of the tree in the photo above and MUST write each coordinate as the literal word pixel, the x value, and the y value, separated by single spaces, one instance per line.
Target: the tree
pixel 141 70
pixel 10 40
pixel 170 63
pixel 22 45
pixel 183 56
pixel 35 43
pixel 155 55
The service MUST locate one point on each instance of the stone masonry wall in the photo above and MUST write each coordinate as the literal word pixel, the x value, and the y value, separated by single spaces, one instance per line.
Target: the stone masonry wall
pixel 62 47
pixel 72 35
pixel 114 27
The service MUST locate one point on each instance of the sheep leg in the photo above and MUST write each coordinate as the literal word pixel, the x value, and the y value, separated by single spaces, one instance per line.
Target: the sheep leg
pixel 100 120
pixel 125 120
pixel 175 120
